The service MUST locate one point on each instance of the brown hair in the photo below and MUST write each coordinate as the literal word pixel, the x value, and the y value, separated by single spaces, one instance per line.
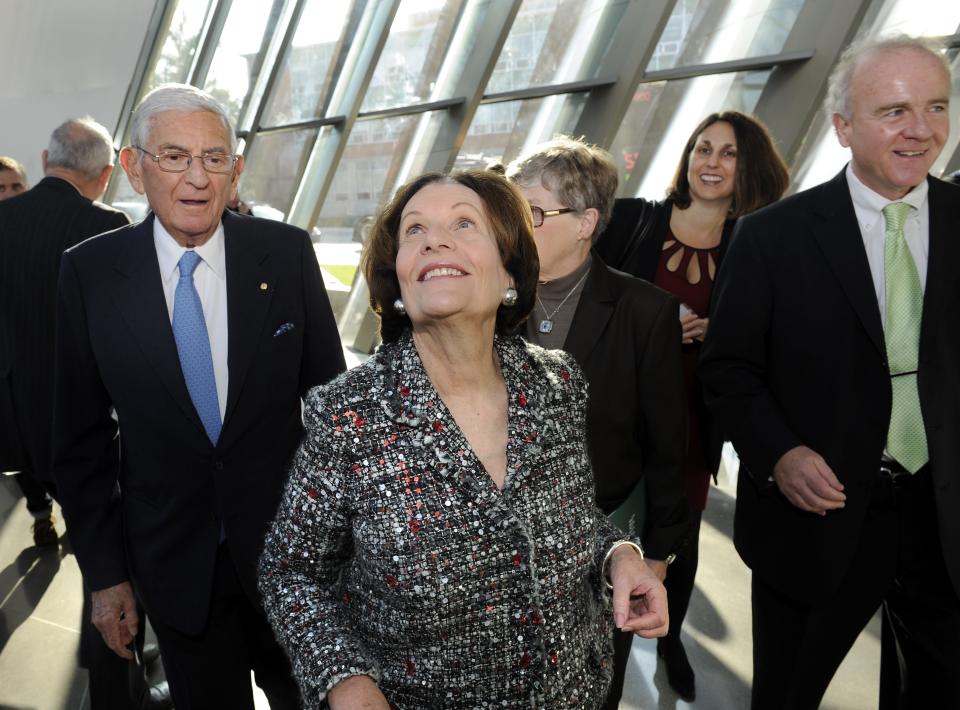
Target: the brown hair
pixel 509 216
pixel 762 176
pixel 581 175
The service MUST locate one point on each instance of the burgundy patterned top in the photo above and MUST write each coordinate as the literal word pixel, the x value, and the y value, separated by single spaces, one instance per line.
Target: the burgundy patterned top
pixel 689 273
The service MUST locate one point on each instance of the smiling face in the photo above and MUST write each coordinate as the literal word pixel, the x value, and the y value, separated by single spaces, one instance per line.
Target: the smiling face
pixel 189 204
pixel 712 165
pixel 448 262
pixel 898 119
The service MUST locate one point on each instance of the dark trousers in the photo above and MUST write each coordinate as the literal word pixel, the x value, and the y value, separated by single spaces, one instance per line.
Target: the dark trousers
pixel 212 669
pixel 898 564
pixel 679 584
pixel 39 502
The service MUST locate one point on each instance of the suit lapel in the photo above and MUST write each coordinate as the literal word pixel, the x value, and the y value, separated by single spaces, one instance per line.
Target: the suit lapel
pixel 842 244
pixel 250 288
pixel 141 303
pixel 594 309
pixel 944 217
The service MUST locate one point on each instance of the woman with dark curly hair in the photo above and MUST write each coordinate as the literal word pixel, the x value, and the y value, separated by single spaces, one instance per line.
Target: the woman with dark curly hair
pixel 438 545
pixel 729 168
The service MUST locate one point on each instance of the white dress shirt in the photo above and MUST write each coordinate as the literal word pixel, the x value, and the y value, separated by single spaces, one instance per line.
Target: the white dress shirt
pixel 868 206
pixel 210 280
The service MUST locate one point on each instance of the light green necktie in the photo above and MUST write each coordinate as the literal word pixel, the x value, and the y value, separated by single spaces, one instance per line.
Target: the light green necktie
pixel 906 438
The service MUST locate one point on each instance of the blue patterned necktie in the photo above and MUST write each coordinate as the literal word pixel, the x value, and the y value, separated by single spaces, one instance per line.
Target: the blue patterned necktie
pixel 193 346
pixel 906 437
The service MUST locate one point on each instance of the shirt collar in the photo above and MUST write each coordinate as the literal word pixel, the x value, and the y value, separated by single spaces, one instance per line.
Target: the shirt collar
pixel 169 251
pixel 869 204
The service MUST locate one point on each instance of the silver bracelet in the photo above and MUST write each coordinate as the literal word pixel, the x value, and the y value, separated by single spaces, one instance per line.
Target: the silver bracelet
pixel 606 558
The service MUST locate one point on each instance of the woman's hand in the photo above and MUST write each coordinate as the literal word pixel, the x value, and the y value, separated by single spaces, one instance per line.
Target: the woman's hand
pixel 639 598
pixel 358 692
pixel 694 328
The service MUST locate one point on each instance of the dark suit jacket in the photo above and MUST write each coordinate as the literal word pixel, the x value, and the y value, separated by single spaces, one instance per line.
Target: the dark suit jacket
pixel 633 242
pixel 116 349
pixel 35 228
pixel 795 355
pixel 625 335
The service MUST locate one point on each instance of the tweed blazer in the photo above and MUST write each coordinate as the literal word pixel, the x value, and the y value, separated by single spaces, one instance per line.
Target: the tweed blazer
pixel 393 553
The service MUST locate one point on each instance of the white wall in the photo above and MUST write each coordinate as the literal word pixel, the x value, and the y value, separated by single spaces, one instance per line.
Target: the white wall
pixel 62 59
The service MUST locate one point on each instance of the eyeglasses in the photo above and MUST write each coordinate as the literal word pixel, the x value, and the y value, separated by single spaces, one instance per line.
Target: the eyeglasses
pixel 539 214
pixel 177 161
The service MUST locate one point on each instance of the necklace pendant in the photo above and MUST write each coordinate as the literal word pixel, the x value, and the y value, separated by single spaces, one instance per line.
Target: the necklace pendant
pixel 546 325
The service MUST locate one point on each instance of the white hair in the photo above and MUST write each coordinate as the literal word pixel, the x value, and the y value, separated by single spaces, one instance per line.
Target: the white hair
pixel 176 97
pixel 841 78
pixel 82 145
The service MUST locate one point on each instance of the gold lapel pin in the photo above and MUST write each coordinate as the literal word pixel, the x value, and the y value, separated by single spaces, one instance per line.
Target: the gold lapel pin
pixel 263 286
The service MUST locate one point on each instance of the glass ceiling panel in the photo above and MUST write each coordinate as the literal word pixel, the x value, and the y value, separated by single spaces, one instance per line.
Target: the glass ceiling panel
pixel 368 173
pixel 413 55
pixel 553 42
pixel 272 172
pixel 661 117
pixel 236 61
pixel 309 68
pixel 930 18
pixel 708 31
pixel 502 131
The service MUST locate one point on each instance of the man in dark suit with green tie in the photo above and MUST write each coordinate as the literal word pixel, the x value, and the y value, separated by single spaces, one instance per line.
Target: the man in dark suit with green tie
pixel 832 362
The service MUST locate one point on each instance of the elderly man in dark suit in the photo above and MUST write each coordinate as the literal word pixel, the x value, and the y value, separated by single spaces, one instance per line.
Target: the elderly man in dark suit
pixel 35 228
pixel 832 361
pixel 201 330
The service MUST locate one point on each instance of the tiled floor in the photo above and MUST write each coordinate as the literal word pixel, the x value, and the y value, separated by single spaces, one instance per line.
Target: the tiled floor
pixel 40 615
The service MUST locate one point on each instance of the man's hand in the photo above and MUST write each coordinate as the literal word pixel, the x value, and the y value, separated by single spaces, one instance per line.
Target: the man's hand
pixel 639 598
pixel 358 692
pixel 115 616
pixel 808 482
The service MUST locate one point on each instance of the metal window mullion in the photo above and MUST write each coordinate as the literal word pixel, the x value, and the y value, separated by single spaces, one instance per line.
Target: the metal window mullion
pixel 209 40
pixel 153 40
pixel 348 95
pixel 635 38
pixel 794 93
pixel 280 42
pixel 489 23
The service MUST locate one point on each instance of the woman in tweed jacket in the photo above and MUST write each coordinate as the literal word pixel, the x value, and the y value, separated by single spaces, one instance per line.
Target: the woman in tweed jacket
pixel 438 545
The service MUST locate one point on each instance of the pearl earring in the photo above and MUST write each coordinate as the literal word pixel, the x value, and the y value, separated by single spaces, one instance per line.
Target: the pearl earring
pixel 399 308
pixel 509 297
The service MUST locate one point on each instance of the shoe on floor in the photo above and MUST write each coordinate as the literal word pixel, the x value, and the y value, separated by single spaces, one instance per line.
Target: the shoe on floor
pixel 679 672
pixel 44 534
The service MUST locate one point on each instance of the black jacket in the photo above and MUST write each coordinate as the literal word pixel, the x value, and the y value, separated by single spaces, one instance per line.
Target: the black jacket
pixel 35 228
pixel 115 349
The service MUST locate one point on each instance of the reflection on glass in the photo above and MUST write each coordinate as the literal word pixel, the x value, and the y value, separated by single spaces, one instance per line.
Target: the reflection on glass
pixel 927 18
pixel 552 42
pixel 660 119
pixel 232 70
pixel 413 55
pixel 183 35
pixel 369 171
pixel 307 75
pixel 272 172
pixel 707 31
pixel 502 131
